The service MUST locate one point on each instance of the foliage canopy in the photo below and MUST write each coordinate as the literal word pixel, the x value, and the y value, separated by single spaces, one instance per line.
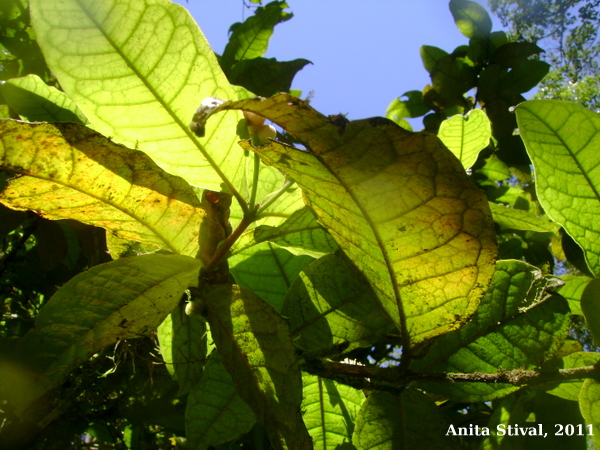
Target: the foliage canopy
pixel 338 284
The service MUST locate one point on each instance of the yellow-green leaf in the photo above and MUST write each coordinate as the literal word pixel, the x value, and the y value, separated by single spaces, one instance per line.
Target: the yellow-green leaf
pixel 466 135
pixel 138 70
pixel 409 420
pixel 330 411
pixel 75 173
pixel 517 219
pixel 35 101
pixel 398 203
pixel 562 140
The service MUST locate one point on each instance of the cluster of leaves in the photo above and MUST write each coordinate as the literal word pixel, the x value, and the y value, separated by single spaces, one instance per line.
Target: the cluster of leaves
pixel 568 30
pixel 280 282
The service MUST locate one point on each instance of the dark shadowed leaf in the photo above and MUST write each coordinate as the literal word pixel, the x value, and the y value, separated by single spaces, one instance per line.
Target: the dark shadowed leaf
pixel 256 348
pixel 122 299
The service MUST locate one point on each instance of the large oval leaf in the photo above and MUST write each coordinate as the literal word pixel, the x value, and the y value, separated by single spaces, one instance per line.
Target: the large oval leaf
pixel 75 173
pixel 398 203
pixel 138 69
pixel 519 324
pixel 562 140
pixel 122 299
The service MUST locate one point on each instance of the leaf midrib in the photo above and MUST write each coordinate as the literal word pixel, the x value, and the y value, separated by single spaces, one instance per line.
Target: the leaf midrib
pixel 107 202
pixel 158 98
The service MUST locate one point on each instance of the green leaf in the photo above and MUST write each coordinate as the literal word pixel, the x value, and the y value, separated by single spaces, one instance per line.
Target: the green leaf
pixel 513 54
pixel 430 56
pixel 183 345
pixel 517 219
pixel 471 18
pixel 453 77
pixel 572 291
pixel 410 420
pixel 569 390
pixel 256 348
pixel 562 140
pixel 331 304
pixel 267 270
pixel 589 404
pixel 518 325
pixel 399 204
pixel 300 234
pixel 122 299
pixel 523 78
pixel 494 169
pixel 75 173
pixel 215 412
pixel 509 411
pixel 35 101
pixel 250 39
pixel 266 77
pixel 330 410
pixel 413 107
pixel 270 181
pixel 466 136
pixel 590 306
pixel 138 71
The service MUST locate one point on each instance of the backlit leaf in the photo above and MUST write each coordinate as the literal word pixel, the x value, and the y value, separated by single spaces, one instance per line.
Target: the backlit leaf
pixel 400 206
pixel 430 56
pixel 562 140
pixel 569 390
pixel 266 77
pixel 471 18
pixel 75 173
pixel 414 106
pixel 517 219
pixel 573 289
pixel 518 325
pixel 466 136
pixel 330 410
pixel 410 420
pixel 330 304
pixel 523 77
pixel 267 270
pixel 250 39
pixel 300 234
pixel 35 101
pixel 138 70
pixel 590 306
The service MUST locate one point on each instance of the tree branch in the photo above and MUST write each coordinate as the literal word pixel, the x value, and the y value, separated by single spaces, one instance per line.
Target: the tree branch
pixel 396 379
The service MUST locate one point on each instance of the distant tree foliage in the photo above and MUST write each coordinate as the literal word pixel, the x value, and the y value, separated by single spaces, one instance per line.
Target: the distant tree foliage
pixel 568 30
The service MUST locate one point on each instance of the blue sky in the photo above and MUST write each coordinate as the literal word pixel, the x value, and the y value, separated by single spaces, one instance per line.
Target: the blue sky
pixel 364 54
